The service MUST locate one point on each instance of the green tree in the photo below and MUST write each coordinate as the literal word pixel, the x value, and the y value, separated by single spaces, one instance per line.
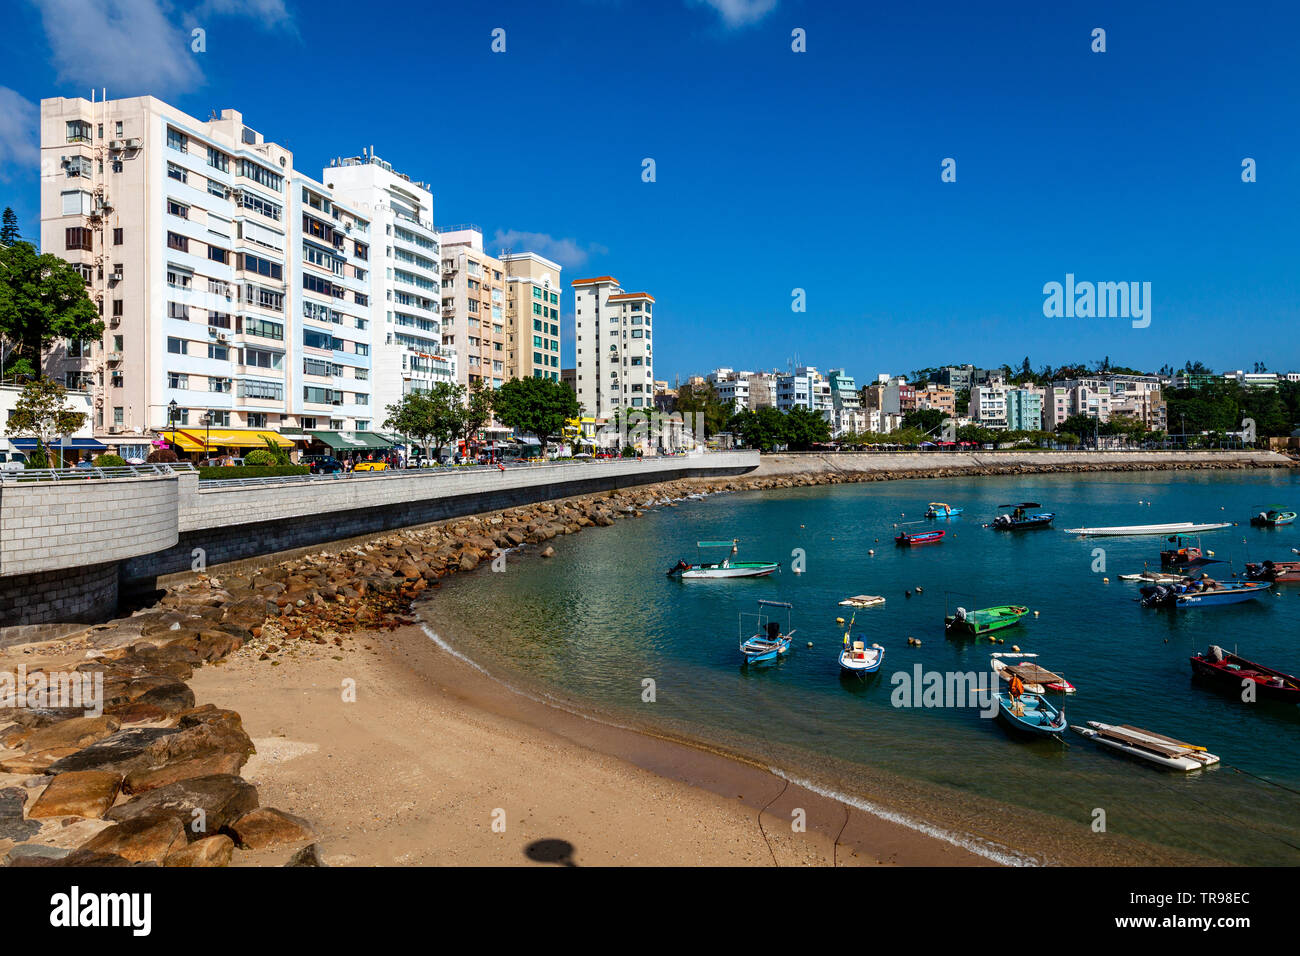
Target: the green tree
pixel 472 409
pixel 538 406
pixel 42 413
pixel 763 429
pixel 1085 425
pixel 419 416
pixel 928 420
pixel 9 229
pixel 704 400
pixel 805 428
pixel 42 298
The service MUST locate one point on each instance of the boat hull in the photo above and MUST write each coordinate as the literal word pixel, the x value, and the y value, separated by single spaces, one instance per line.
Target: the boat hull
pixel 743 570
pixel 994 619
pixel 760 650
pixel 861 668
pixel 913 540
pixel 1222 596
pixel 1274 571
pixel 1232 672
pixel 1025 524
pixel 1182 527
pixel 1184 762
pixel 1037 717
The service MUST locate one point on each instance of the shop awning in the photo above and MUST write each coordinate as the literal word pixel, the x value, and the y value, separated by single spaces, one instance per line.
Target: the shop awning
pixel 68 444
pixel 352 441
pixel 192 439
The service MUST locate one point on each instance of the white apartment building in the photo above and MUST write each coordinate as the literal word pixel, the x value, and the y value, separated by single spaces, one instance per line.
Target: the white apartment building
pixel 406 269
pixel 1007 407
pixel 847 415
pixel 234 289
pixel 807 387
pixel 1076 397
pixel 473 306
pixel 731 386
pixel 614 346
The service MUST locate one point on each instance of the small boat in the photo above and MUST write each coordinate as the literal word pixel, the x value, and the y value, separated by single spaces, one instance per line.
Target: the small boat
pixel 921 537
pixel 1031 713
pixel 985 620
pixel 766 642
pixel 1200 594
pixel 1186 555
pixel 1231 672
pixel 860 660
pixel 1037 679
pixel 1154 577
pixel 1178 527
pixel 1274 571
pixel 1273 518
pixel 726 568
pixel 939 509
pixel 1021 519
pixel 1148 745
pixel 862 600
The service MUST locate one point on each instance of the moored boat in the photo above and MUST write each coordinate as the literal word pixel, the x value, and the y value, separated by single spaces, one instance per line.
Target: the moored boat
pixel 1178 527
pixel 984 620
pixel 1148 746
pixel 1020 518
pixel 1031 714
pixel 726 568
pixel 1154 577
pixel 858 659
pixel 1201 593
pixel 1273 518
pixel 940 509
pixel 1186 555
pixel 1038 679
pixel 862 600
pixel 921 537
pixel 767 642
pixel 1231 673
pixel 1274 571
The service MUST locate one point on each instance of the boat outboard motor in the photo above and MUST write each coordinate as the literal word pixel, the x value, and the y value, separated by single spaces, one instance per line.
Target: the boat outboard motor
pixel 1215 652
pixel 678 568
pixel 961 614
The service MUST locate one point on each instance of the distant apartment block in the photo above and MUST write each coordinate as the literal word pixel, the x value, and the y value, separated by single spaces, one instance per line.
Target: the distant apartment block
pixel 473 306
pixel 614 346
pixel 847 416
pixel 231 284
pixel 532 316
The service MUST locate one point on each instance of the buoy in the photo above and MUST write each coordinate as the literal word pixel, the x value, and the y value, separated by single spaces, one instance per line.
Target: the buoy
pixel 810 643
pixel 918 642
pixel 871 551
pixel 801 526
pixel 1016 648
pixel 918 589
pixel 907 593
pixel 839 620
pixel 1105 580
pixel 1035 614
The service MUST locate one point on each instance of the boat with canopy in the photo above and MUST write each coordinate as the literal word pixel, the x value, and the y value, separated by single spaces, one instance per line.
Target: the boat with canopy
pixel 1020 518
pixel 940 509
pixel 856 658
pixel 728 567
pixel 766 642
pixel 1274 517
pixel 1038 679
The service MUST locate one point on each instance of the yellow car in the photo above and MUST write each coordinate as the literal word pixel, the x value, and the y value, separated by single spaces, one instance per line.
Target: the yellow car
pixel 370 466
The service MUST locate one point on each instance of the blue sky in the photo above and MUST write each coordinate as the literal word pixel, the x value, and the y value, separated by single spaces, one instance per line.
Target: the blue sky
pixel 778 170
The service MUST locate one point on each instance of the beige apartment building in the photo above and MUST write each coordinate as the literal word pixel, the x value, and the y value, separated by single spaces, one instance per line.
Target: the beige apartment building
pixel 614 348
pixel 473 306
pixel 235 291
pixel 532 316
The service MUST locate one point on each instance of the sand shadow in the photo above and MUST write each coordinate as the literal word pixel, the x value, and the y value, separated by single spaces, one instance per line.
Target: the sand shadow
pixel 559 852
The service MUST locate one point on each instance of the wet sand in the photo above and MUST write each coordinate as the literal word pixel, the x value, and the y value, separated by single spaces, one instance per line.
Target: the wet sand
pixel 433 752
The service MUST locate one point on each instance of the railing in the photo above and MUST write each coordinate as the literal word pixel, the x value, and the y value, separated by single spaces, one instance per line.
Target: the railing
pixel 159 470
pixel 436 471
pixel 883 449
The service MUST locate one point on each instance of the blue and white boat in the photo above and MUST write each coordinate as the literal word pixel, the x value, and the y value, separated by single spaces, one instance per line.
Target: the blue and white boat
pixel 939 509
pixel 1031 714
pixel 860 660
pixel 766 642
pixel 1198 594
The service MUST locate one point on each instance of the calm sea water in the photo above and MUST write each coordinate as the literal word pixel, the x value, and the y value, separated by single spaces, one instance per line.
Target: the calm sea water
pixel 591 624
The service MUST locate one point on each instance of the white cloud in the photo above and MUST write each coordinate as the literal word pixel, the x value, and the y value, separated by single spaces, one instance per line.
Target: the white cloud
pixel 140 46
pixel 19 132
pixel 128 46
pixel 566 252
pixel 740 13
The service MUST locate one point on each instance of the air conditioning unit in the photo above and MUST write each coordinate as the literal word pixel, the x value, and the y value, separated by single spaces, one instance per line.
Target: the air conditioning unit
pixel 115 429
pixel 65 160
pixel 115 277
pixel 223 337
pixel 133 143
pixel 115 144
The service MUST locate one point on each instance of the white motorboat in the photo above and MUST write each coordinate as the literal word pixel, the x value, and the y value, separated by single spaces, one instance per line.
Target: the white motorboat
pixel 1177 527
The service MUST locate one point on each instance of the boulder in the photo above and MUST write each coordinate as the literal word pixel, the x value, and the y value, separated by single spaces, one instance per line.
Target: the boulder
pixel 223 798
pixel 86 793
pixel 123 752
pixel 147 838
pixel 210 851
pixel 267 826
pixel 76 732
pixel 307 856
pixel 12 825
pixel 140 781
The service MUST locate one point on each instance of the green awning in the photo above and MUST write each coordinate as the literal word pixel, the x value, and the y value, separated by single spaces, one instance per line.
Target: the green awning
pixel 352 441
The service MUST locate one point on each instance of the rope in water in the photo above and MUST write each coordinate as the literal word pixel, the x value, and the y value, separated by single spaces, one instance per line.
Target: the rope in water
pixel 760 821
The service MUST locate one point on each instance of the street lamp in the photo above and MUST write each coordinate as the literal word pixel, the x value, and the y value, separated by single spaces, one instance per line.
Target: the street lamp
pixel 206 422
pixel 171 418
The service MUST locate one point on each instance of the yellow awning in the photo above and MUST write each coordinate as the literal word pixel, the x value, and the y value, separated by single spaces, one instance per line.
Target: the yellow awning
pixel 192 439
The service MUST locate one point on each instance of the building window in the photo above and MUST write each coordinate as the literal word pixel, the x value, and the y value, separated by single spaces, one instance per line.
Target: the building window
pixel 117 236
pixel 178 380
pixel 78 131
pixel 117 308
pixel 177 310
pixel 175 208
pixel 219 352
pixel 218 160
pixel 257 419
pixel 177 346
pixel 178 140
pixel 178 242
pixel 177 173
pixel 217 254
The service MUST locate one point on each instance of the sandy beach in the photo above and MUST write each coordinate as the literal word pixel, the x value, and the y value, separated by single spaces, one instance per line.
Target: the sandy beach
pixel 416 770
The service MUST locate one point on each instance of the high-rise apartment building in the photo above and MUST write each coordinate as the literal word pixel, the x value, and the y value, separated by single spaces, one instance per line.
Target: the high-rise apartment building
pixel 473 306
pixel 406 268
pixel 614 346
pixel 235 290
pixel 532 316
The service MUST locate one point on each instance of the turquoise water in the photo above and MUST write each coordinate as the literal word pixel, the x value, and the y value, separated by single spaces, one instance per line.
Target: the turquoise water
pixel 592 624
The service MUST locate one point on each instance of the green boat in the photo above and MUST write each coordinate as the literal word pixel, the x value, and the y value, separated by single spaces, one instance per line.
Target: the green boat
pixel 985 620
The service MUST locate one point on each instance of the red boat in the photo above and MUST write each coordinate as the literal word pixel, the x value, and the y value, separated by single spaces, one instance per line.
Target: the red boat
pixel 923 537
pixel 1229 671
pixel 1274 571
